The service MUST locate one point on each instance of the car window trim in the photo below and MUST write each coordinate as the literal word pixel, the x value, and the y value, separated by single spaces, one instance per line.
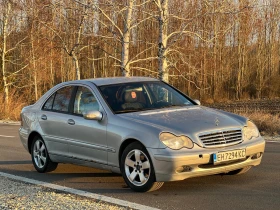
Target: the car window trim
pixel 73 97
pixel 72 100
pixel 53 99
pixel 53 94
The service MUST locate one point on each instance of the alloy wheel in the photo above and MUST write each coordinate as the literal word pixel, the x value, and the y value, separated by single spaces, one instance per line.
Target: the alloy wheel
pixel 39 153
pixel 137 167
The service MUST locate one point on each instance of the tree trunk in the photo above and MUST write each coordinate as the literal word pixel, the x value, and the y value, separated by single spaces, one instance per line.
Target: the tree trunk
pixel 4 50
pixel 51 65
pixel 77 68
pixel 34 66
pixel 125 68
pixel 162 42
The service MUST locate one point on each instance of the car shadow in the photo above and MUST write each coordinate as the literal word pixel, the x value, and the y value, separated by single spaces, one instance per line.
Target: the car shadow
pixel 106 182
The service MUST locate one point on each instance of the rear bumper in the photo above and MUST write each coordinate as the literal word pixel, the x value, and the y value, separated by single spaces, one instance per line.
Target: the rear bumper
pixel 23 135
pixel 199 161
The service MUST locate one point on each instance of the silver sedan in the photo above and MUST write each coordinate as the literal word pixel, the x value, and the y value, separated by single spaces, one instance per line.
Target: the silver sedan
pixel 140 127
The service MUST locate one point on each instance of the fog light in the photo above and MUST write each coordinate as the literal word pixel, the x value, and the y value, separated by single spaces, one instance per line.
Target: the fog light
pixel 256 156
pixel 179 169
pixel 187 168
pixel 183 169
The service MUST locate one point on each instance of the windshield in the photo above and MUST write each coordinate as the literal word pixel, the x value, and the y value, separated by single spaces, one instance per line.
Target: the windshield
pixel 141 96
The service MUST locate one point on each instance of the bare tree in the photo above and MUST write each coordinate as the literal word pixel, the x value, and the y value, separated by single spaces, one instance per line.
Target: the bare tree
pixel 163 39
pixel 9 25
pixel 6 14
pixel 126 38
pixel 74 46
pixel 121 32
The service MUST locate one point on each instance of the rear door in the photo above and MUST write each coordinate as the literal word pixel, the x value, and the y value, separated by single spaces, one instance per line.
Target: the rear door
pixel 53 120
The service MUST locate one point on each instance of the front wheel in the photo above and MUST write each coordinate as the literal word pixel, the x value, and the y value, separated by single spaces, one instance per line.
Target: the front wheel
pixel 40 156
pixel 137 169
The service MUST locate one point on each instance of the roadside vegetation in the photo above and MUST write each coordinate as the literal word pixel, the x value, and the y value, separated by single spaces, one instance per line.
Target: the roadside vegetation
pixel 11 110
pixel 268 124
pixel 265 113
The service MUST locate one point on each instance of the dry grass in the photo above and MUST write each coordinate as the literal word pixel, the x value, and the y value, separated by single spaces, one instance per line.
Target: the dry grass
pixel 268 124
pixel 13 109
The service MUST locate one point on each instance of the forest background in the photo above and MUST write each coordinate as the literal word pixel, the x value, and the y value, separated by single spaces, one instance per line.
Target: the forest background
pixel 213 50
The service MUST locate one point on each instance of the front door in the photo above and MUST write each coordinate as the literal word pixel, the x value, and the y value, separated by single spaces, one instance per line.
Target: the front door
pixel 88 137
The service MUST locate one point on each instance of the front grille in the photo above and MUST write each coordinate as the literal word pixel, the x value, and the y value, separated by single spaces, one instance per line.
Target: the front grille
pixel 221 138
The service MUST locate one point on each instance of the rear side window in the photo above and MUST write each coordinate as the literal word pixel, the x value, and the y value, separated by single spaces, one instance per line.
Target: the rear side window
pixel 49 103
pixel 62 99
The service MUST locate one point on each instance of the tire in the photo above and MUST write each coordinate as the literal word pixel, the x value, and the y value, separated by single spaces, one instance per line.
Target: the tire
pixel 137 169
pixel 240 171
pixel 40 157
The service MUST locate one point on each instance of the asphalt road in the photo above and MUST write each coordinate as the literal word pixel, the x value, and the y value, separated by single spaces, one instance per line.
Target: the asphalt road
pixel 257 189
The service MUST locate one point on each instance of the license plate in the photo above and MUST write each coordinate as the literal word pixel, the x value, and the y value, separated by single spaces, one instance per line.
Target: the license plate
pixel 229 155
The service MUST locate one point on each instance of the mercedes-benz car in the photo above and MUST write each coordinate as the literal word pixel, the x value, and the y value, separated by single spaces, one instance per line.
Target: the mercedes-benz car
pixel 141 127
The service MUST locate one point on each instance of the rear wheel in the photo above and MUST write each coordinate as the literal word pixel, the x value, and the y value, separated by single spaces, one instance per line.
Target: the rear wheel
pixel 137 169
pixel 40 156
pixel 240 171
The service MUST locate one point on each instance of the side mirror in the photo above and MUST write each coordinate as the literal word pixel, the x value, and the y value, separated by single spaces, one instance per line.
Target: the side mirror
pixel 197 102
pixel 93 115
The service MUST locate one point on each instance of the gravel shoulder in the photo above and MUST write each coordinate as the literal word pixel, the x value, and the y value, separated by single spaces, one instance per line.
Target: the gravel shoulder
pixel 19 195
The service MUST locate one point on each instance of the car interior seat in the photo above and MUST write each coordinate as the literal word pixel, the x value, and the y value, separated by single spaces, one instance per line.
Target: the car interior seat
pixel 131 100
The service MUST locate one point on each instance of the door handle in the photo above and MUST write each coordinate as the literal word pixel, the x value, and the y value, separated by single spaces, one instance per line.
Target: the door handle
pixel 44 117
pixel 71 122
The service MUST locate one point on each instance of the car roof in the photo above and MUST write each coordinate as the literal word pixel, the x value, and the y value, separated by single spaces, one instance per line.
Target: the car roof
pixel 119 80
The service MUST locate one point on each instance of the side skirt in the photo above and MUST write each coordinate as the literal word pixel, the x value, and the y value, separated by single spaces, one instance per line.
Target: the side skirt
pixel 87 163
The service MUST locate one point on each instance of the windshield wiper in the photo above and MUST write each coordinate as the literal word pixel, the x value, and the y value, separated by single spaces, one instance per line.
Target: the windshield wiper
pixel 127 111
pixel 172 105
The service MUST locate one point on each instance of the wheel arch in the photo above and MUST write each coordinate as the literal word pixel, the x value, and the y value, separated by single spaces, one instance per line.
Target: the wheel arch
pixel 127 142
pixel 31 137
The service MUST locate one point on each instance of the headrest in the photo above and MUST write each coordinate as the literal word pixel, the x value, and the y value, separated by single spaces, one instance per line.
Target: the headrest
pixel 130 97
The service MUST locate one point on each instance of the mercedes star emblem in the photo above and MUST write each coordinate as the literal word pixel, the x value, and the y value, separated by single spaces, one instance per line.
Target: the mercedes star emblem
pixel 217 121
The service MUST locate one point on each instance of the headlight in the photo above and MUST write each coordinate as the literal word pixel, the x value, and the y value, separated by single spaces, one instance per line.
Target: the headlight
pixel 250 131
pixel 175 142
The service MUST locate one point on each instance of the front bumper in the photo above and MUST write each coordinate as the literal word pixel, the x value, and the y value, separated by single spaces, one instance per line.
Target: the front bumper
pixel 199 161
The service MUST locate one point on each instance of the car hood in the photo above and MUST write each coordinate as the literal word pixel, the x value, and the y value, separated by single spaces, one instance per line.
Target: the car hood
pixel 186 120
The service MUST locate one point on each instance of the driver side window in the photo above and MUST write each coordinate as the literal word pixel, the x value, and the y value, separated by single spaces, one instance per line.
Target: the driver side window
pixel 85 101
